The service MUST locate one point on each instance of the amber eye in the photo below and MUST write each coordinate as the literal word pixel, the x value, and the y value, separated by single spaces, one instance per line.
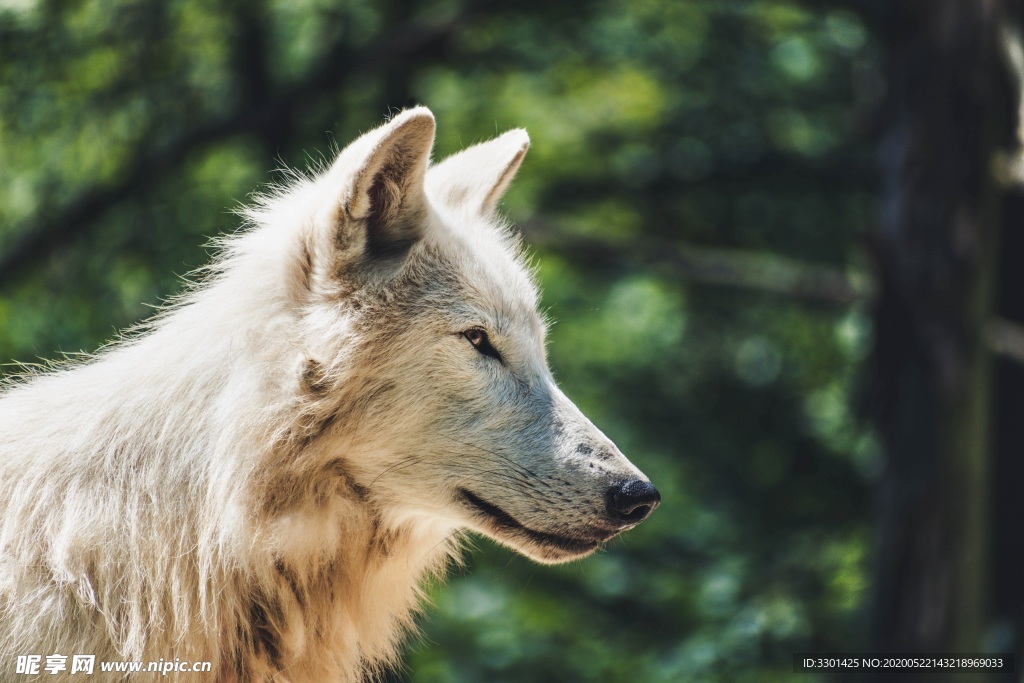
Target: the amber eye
pixel 477 336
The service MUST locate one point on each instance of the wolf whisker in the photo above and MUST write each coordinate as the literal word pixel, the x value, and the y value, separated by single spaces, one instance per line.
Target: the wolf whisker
pixel 502 457
pixel 404 463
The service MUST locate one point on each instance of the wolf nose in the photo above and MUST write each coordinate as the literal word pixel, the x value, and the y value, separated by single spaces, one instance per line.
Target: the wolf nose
pixel 632 501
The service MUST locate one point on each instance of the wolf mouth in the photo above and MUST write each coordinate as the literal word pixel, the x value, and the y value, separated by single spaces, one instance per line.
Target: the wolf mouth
pixel 506 522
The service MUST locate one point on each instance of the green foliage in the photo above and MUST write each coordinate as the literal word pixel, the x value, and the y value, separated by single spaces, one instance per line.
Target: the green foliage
pixel 655 124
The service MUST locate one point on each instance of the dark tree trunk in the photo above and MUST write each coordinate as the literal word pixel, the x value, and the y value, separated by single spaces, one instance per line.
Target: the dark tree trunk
pixel 948 110
pixel 1008 447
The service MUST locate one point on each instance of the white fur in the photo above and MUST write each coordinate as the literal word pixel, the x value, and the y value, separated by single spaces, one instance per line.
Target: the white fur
pixel 263 476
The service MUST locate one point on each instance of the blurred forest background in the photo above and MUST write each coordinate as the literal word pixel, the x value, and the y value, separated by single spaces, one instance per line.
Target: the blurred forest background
pixel 781 241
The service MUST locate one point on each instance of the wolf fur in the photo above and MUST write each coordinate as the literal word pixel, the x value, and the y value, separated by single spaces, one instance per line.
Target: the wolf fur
pixel 264 475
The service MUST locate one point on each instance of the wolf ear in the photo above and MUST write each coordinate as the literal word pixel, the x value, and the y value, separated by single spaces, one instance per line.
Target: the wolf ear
pixel 477 177
pixel 377 206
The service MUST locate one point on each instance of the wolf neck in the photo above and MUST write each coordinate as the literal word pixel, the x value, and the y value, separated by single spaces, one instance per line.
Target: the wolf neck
pixel 326 583
pixel 295 571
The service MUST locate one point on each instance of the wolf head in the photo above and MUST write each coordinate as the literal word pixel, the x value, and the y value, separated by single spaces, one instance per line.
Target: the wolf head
pixel 423 368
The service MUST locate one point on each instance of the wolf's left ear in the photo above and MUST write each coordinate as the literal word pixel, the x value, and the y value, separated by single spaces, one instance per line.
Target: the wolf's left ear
pixel 376 206
pixel 477 177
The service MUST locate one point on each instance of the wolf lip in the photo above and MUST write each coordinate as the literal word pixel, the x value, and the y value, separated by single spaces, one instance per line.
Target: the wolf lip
pixel 507 523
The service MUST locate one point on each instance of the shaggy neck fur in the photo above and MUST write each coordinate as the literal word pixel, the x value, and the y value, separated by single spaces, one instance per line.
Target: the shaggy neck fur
pixel 285 564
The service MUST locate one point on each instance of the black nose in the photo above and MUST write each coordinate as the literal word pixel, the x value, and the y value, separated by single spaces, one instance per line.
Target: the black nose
pixel 632 501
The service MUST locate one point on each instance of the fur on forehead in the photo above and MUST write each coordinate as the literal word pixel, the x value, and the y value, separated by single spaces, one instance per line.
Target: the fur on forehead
pixel 464 191
pixel 466 230
pixel 488 261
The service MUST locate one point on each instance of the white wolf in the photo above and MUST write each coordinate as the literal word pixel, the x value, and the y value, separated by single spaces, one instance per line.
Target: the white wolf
pixel 262 477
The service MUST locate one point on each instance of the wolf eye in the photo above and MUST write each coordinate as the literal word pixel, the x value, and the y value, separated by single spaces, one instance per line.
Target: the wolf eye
pixel 481 342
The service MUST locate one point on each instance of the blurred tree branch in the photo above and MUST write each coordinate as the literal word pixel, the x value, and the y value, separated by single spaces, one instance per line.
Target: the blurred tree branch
pixel 746 269
pixel 1006 338
pixel 772 168
pixel 253 114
